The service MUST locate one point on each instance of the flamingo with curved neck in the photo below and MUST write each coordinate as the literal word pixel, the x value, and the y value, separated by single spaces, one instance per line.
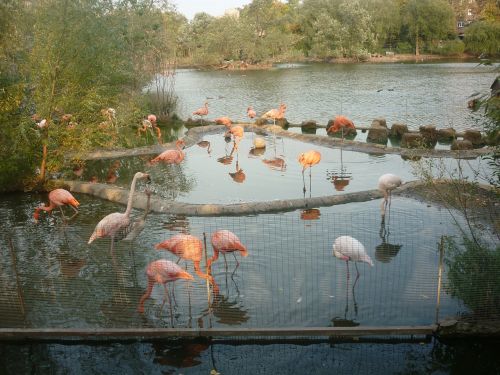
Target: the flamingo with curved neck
pixel 117 223
pixel 172 156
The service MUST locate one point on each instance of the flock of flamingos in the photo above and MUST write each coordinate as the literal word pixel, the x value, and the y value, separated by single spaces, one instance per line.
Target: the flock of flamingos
pixel 119 226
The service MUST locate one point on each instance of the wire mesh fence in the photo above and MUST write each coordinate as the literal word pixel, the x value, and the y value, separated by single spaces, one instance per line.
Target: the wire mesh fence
pixel 290 279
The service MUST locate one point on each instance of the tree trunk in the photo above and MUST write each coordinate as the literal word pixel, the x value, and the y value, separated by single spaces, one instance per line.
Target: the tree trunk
pixel 44 163
pixel 417 50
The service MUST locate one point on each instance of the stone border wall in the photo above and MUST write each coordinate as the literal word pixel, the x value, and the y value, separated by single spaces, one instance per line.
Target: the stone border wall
pixel 196 134
pixel 120 195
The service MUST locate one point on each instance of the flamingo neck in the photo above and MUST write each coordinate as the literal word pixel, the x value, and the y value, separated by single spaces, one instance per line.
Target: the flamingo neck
pixel 131 196
pixel 48 208
pixel 146 295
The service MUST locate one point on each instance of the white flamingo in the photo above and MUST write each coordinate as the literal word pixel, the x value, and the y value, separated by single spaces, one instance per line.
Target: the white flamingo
pixel 386 184
pixel 116 224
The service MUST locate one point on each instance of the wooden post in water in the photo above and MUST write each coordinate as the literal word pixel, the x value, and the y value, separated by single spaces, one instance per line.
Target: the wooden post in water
pixel 440 277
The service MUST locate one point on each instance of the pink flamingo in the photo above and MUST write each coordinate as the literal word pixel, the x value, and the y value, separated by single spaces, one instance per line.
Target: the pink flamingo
pixel 386 184
pixel 226 121
pixel 339 123
pixel 162 272
pixel 275 114
pixel 203 111
pixel 188 247
pixel 58 198
pixel 172 156
pixel 307 160
pixel 152 119
pixel 225 241
pixel 237 132
pixel 251 113
pixel 117 224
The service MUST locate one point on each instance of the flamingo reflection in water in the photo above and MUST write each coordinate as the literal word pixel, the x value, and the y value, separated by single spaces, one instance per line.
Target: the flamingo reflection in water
pixel 310 214
pixel 181 354
pixel 162 272
pixel 238 176
pixel 205 144
pixel 386 250
pixel 188 247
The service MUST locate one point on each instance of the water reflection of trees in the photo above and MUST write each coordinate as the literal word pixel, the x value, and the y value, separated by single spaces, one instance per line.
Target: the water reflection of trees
pixel 168 181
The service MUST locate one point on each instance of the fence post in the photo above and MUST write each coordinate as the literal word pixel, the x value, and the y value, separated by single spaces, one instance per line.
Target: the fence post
pixel 14 265
pixel 440 277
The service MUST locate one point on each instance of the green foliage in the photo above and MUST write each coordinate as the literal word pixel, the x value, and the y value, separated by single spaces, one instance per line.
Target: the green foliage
pixel 474 276
pixel 483 38
pixel 447 47
pixel 427 20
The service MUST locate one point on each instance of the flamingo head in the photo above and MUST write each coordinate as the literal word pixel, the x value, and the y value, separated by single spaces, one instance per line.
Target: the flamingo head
pixel 141 175
pixel 36 214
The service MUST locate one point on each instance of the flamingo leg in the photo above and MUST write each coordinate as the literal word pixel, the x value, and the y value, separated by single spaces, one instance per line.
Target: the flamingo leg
pixel 347 266
pixel 310 180
pixel 225 260
pixel 62 213
pixel 237 265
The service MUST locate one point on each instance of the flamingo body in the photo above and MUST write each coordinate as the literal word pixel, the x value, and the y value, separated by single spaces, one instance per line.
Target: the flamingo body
pixel 226 121
pixel 203 111
pixel 309 159
pixel 161 272
pixel 152 118
pixel 172 156
pixel 340 122
pixel 188 247
pixel 226 241
pixel 386 184
pixel 250 112
pixel 259 142
pixel 57 198
pixel 350 249
pixel 275 114
pixel 117 224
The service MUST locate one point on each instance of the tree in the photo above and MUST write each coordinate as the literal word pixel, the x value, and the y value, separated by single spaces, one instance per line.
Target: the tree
pixel 483 37
pixel 428 20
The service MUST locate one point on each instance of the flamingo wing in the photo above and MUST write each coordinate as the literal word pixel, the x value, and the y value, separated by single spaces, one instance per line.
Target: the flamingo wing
pixel 110 225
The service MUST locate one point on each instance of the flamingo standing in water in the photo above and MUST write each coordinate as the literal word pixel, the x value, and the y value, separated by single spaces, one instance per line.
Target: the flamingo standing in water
pixel 339 123
pixel 162 272
pixel 188 247
pixel 251 113
pixel 307 160
pixel 275 114
pixel 225 241
pixel 58 198
pixel 386 184
pixel 172 156
pixel 205 144
pixel 117 224
pixel 350 249
pixel 237 132
pixel 203 111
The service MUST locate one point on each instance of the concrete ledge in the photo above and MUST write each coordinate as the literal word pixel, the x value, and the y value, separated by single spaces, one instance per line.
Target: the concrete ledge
pixel 194 135
pixel 120 195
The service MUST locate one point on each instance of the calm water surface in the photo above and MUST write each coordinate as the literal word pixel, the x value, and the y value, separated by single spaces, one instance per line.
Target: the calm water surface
pixel 416 94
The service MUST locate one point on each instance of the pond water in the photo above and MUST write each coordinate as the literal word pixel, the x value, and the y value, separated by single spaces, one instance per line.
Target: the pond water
pixel 225 175
pixel 51 278
pixel 415 94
